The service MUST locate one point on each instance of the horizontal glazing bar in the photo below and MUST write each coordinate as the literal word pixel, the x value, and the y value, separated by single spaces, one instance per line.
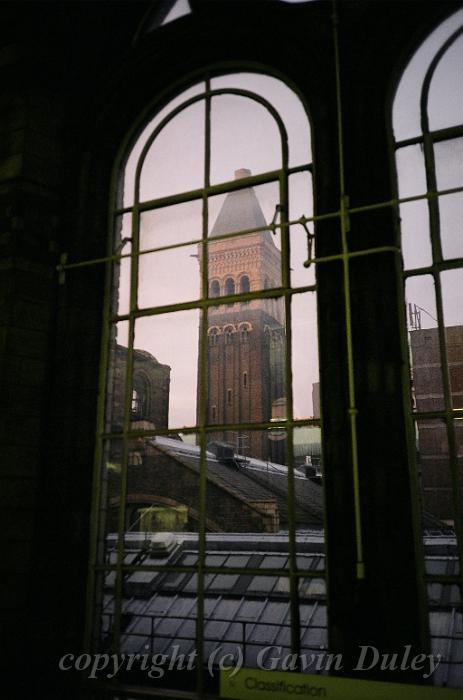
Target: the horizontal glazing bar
pixel 355 254
pixel 455 579
pixel 438 266
pixel 272 227
pixel 454 413
pixel 438 135
pixel 215 301
pixel 213 428
pixel 221 188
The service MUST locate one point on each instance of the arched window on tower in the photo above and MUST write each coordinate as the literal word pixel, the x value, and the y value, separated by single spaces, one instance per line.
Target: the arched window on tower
pixel 214 289
pixel 244 284
pixel 229 286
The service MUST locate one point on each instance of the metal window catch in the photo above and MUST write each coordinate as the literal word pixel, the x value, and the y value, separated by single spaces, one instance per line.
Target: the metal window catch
pixel 310 239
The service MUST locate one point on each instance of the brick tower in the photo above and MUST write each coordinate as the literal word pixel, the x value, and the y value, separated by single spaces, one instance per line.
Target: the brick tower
pixel 246 340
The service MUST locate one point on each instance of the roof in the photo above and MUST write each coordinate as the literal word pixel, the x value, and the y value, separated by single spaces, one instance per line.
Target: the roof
pixel 249 479
pixel 244 613
pixel 240 211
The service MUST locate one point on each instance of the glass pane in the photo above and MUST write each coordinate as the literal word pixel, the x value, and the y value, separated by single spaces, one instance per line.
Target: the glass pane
pixel 425 357
pixel 305 354
pixel 445 106
pixel 167 226
pixel 314 635
pixel 416 242
pixel 301 204
pixel 411 171
pixel 312 588
pixel 451 225
pixel 110 485
pixel 449 163
pixel 308 492
pixel 166 367
pixel 104 615
pixel 246 363
pixel 287 104
pixel 122 267
pixel 435 474
pixel 452 287
pixel 126 194
pixel 162 493
pixel 175 160
pixel 169 277
pixel 246 491
pixel 243 135
pixel 116 377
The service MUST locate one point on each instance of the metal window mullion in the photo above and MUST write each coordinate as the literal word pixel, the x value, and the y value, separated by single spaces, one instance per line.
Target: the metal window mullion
pixel 286 282
pixel 344 221
pixel 437 259
pixel 433 204
pixel 126 428
pixel 203 393
pixel 96 507
pixel 449 420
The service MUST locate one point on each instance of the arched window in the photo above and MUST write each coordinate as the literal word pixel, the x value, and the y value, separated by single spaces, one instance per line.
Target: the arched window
pixel 213 334
pixel 229 286
pixel 200 220
pixel 215 289
pixel 428 131
pixel 244 284
pixel 428 128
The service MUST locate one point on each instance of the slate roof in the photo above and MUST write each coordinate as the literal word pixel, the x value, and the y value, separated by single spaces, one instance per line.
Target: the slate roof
pixel 240 211
pixel 248 612
pixel 251 484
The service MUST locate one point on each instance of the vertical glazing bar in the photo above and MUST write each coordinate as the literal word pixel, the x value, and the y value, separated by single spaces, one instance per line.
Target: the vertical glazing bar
pixel 434 225
pixel 449 419
pixel 344 220
pixel 119 592
pixel 96 531
pixel 285 260
pixel 203 391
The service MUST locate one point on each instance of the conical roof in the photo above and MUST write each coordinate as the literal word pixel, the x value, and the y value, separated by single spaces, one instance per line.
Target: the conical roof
pixel 240 211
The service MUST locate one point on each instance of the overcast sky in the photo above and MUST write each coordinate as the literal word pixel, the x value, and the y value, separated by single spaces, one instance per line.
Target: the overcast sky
pixel 244 135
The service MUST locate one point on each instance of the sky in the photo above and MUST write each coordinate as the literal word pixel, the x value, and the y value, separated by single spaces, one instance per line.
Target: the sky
pixel 244 135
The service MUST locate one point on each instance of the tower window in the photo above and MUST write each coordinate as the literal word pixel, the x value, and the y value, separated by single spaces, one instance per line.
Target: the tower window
pixel 215 289
pixel 229 396
pixel 229 286
pixel 245 379
pixel 244 284
pixel 228 334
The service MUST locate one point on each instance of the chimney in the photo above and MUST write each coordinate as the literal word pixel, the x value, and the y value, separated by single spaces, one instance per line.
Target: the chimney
pixel 242 172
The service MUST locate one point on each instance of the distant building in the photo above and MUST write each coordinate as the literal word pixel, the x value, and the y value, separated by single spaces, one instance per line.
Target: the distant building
pixel 428 395
pixel 150 390
pixel 246 357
